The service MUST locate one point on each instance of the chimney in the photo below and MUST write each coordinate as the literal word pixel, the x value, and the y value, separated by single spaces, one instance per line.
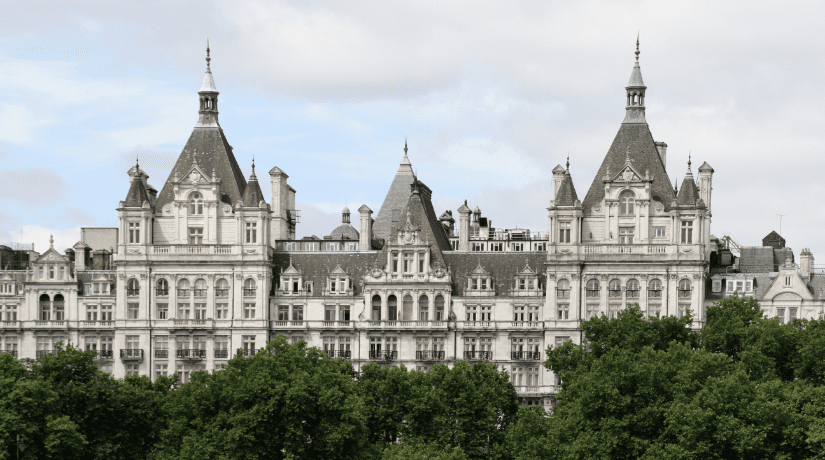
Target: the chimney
pixel 81 253
pixel 464 227
pixel 365 240
pixel 558 175
pixel 662 148
pixel 447 222
pixel 806 261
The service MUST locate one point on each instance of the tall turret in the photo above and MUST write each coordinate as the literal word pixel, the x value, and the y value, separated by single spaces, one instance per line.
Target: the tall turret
pixel 635 90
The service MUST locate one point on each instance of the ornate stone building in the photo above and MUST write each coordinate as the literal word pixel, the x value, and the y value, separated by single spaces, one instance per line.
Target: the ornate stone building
pixel 208 266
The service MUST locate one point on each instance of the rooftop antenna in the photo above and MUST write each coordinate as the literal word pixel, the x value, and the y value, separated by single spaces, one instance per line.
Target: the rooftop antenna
pixel 780 222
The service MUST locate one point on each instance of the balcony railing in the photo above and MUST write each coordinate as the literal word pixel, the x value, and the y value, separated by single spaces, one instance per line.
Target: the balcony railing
pixel 190 353
pixel 161 353
pixel 429 355
pixel 48 323
pixel 42 353
pixel 221 353
pixel 131 354
pixel 199 292
pixel 249 352
pixel 10 324
pixel 162 292
pixel 383 355
pixel 105 354
pixel 183 292
pixel 192 323
pixel 344 354
pixel 684 293
pixel 654 293
pixel 525 355
pixel 13 353
pixel 626 249
pixel 563 293
pixel 614 293
pixel 192 249
pixel 249 292
pixel 133 292
pixel 478 355
pixel 221 292
pixel 95 324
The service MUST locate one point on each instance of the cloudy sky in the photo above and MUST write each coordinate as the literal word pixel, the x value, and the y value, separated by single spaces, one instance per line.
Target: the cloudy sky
pixel 491 96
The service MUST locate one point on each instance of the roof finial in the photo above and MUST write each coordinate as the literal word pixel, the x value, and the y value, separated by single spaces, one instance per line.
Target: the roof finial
pixel 637 46
pixel 51 240
pixel 627 155
pixel 207 54
pixel 253 164
pixel 568 161
pixel 688 160
pixel 405 145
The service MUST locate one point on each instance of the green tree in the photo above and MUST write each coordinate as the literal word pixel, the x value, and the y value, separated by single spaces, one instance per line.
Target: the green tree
pixel 286 401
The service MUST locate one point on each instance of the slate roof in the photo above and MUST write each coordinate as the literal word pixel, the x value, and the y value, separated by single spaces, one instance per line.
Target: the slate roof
pixel 502 266
pixel 689 193
pixel 213 152
pixel 566 196
pixel 316 266
pixel 644 156
pixel 396 199
pixel 137 193
pixel 252 195
pixel 756 259
pixel 344 232
pixel 419 212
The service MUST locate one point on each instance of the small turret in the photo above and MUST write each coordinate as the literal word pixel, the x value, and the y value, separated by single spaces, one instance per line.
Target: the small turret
pixel 208 113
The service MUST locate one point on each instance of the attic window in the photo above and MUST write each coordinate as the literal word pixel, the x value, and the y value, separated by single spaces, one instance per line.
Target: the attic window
pixel 626 203
pixel 196 204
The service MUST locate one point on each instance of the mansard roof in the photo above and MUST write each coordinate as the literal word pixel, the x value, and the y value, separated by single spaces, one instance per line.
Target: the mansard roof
pixel 314 267
pixel 645 157
pixel 566 196
pixel 396 199
pixel 213 153
pixel 501 266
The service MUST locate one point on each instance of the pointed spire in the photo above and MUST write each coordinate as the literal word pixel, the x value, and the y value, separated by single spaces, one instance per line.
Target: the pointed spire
pixel 209 58
pixel 252 176
pixel 405 145
pixel 208 81
pixel 568 162
pixel 688 161
pixel 637 46
pixel 635 91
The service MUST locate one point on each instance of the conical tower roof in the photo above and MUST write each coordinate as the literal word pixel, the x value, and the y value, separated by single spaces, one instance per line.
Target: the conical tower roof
pixel 566 196
pixel 397 197
pixel 252 195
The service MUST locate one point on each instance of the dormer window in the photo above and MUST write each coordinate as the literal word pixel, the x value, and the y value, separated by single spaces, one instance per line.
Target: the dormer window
pixel 627 201
pixel 196 204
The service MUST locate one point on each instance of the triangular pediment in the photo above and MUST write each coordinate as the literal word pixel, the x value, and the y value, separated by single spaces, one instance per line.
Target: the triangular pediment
pixel 627 174
pixel 196 174
pixel 291 270
pixel 527 270
pixel 479 270
pixel 51 256
pixel 338 271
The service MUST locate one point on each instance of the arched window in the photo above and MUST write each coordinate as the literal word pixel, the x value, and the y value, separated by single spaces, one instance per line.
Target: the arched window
pixel 684 288
pixel 563 289
pixel 249 287
pixel 408 308
pixel 376 307
pixel 392 308
pixel 439 308
pixel 45 307
pixel 593 288
pixel 132 287
pixel 200 287
pixel 58 307
pixel 633 288
pixel 196 204
pixel 221 287
pixel 423 308
pixel 654 288
pixel 183 288
pixel 615 288
pixel 163 287
pixel 626 202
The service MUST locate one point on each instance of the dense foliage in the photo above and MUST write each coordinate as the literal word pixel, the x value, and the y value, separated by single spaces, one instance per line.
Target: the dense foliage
pixel 743 386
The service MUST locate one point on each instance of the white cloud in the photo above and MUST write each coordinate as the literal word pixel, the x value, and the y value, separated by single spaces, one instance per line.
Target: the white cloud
pixel 64 238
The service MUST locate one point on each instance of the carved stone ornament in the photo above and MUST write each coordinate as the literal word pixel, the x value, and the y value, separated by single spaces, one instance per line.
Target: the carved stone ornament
pixel 194 176
pixel 143 276
pixel 211 276
pixel 121 276
pixel 628 175
pixel 133 250
pixel 377 272
pixel 260 276
pixel 439 272
pixel 787 296
pixel 238 276
pixel 604 277
pixel 551 276
pixel 696 276
pixel 574 276
pixel 643 276
pixel 673 277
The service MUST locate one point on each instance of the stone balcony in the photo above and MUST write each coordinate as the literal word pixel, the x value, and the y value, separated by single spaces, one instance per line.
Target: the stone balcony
pixel 626 252
pixel 537 391
pixel 405 325
pixel 189 324
pixel 191 251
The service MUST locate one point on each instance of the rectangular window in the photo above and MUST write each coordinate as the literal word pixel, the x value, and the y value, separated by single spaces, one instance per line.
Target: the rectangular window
pixel 106 344
pixel 560 341
pixel 291 246
pixel 564 232
pixel 91 312
pixel 11 312
pixel 780 313
pixel 626 235
pixel 332 246
pixel 132 310
pixel 532 313
pixel 687 232
pixel 518 313
pixel 564 311
pixel 791 314
pixel 251 233
pixel 249 310
pixel 471 313
pixel 134 232
pixel 613 311
pixel 395 262
pixel 408 262
pixel 654 311
pixel 343 313
pixel 329 313
pixel 161 346
pixel 195 235
pixel 163 310
pixel 421 263
pixel 658 232
pixel 161 370
pixel 183 311
pixel 222 311
pixel 483 283
pixel 283 312
pixel 106 312
pixel 788 280
pixel 487 313
pixel 200 311
pixel 221 346
pixel 352 246
pixel 199 342
pixel 298 313
pixel 132 342
pixel 518 247
pixel 496 247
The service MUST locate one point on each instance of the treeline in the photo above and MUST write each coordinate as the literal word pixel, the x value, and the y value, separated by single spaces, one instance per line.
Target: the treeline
pixel 742 387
